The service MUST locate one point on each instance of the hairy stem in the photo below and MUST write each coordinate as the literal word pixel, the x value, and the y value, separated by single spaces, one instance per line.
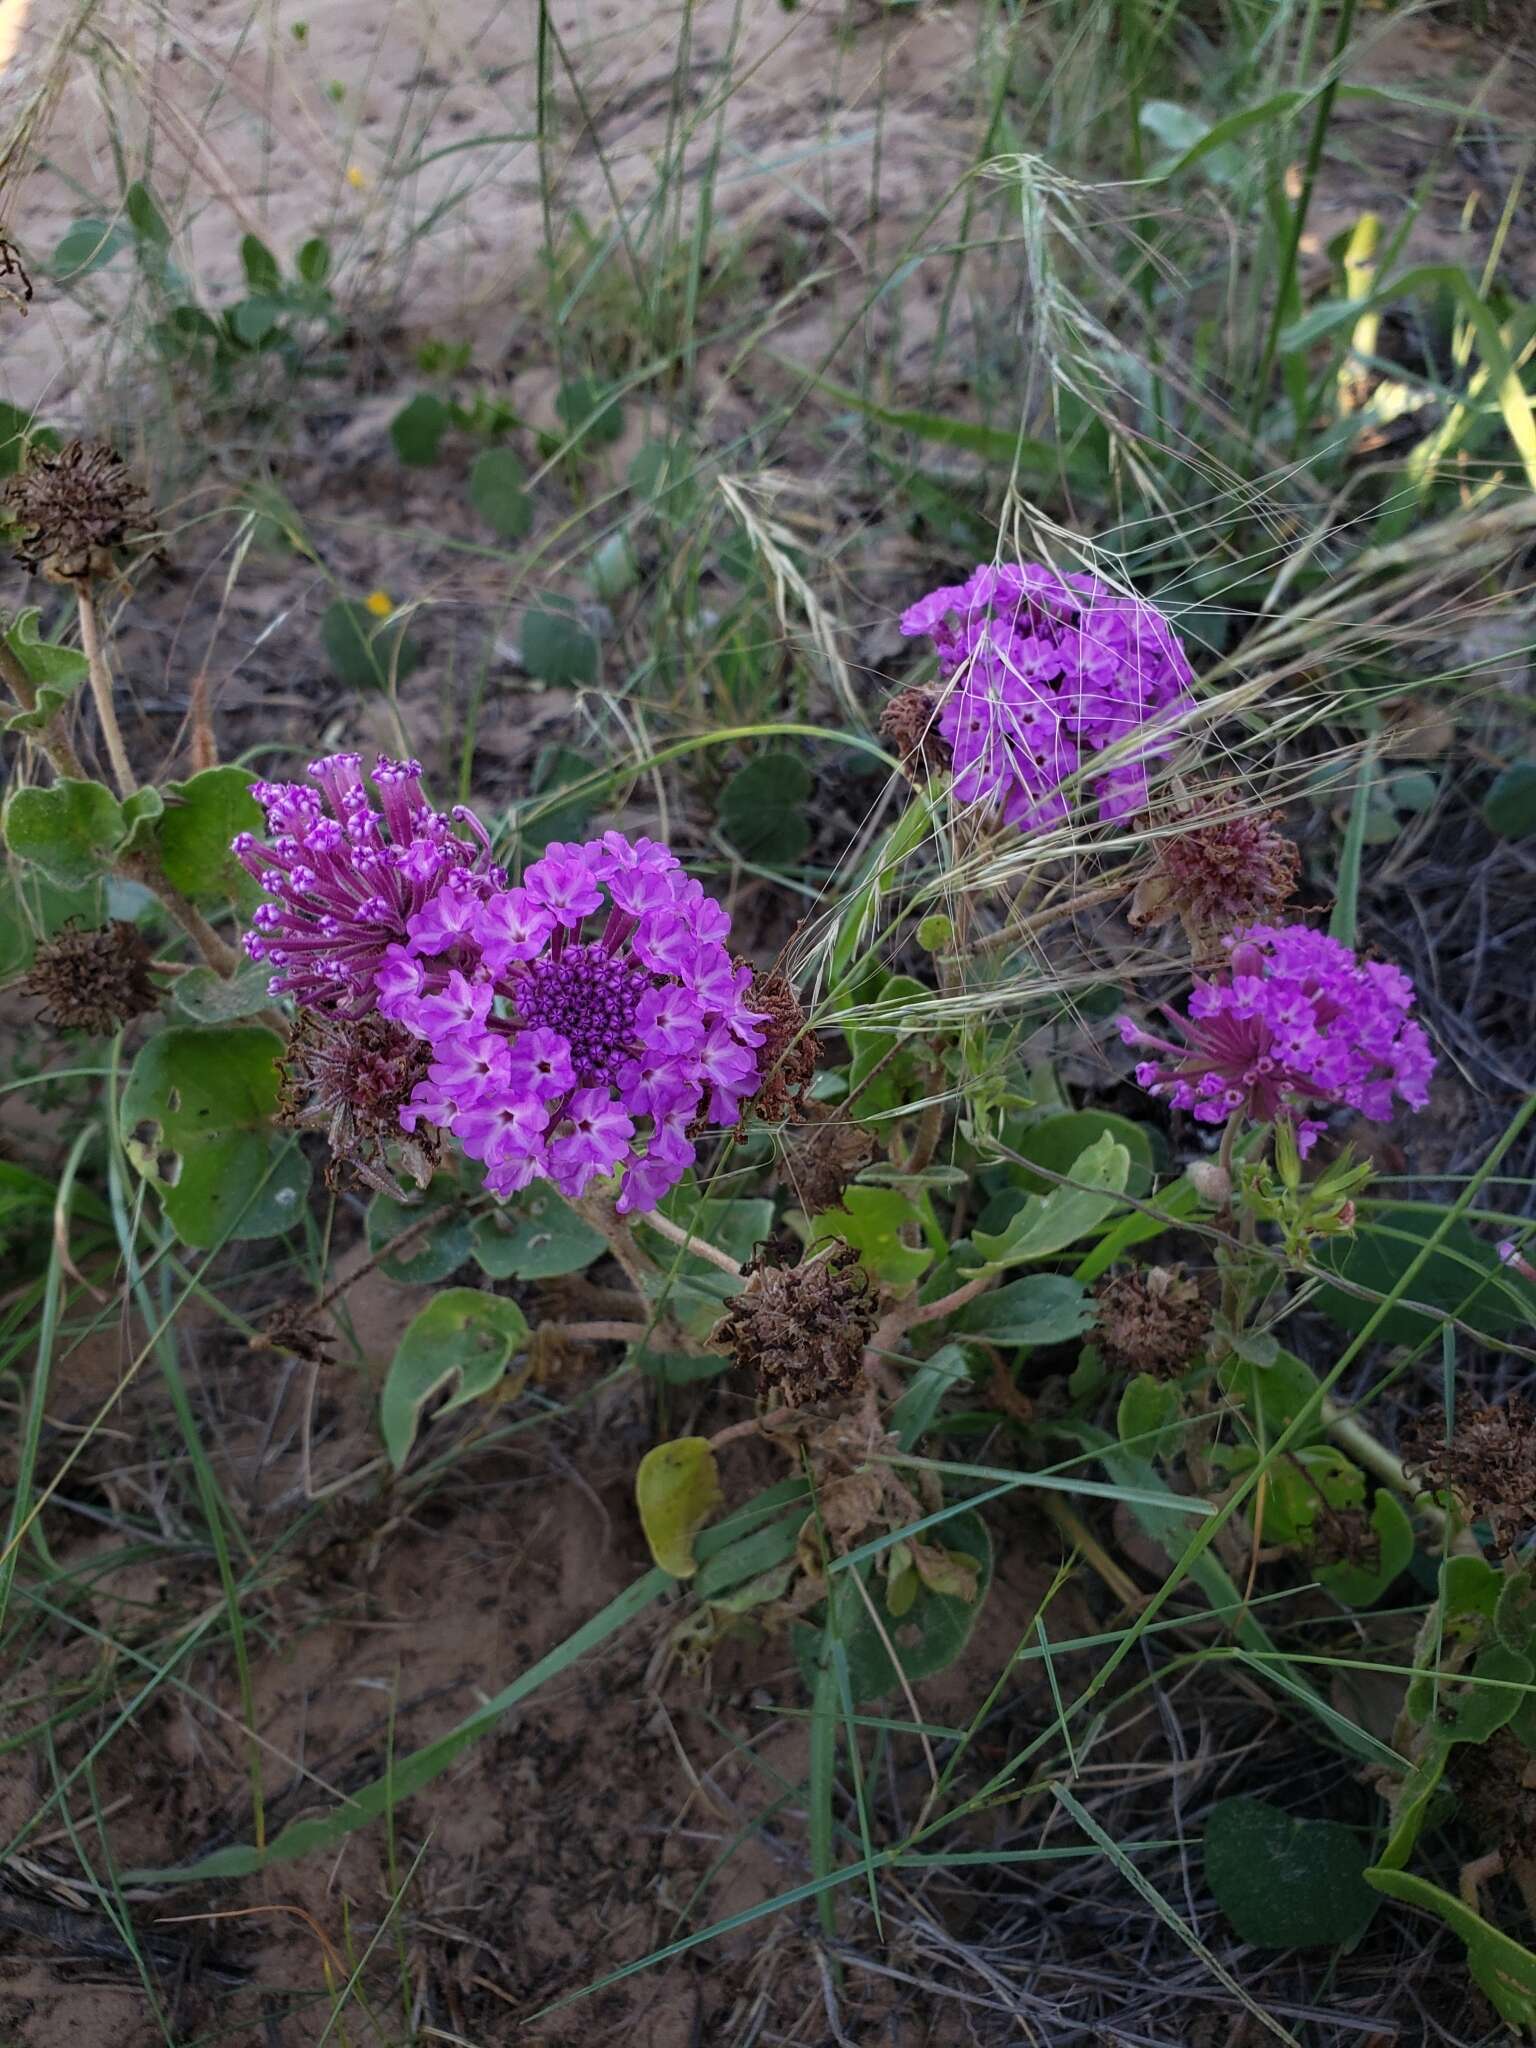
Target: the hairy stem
pixel 101 690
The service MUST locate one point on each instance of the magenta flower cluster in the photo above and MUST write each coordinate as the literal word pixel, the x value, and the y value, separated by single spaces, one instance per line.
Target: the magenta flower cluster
pixel 1043 675
pixel 1299 1020
pixel 584 1023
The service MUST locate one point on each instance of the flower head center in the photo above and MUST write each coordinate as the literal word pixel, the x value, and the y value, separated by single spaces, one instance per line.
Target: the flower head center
pixel 590 997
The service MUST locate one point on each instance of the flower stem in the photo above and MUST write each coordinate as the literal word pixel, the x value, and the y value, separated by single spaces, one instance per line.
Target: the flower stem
pixel 101 690
pixel 675 1234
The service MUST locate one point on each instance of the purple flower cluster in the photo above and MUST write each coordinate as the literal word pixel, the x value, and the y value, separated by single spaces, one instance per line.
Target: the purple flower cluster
pixel 1299 1019
pixel 587 1022
pixel 346 879
pixel 1044 673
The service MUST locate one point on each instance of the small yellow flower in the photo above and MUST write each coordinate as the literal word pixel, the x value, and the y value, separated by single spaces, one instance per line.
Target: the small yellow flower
pixel 380 603
pixel 357 178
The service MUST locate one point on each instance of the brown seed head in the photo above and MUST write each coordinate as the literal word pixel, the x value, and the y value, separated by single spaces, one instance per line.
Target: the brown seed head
pixel 910 721
pixel 68 511
pixel 789 1052
pixel 351 1081
pixel 1150 1321
pixel 1215 873
pixel 93 980
pixel 819 1166
pixel 1489 1465
pixel 802 1329
pixel 294 1327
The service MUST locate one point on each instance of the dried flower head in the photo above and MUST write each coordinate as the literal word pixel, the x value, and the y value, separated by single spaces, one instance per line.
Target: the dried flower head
pixel 68 511
pixel 910 721
pixel 802 1329
pixel 93 980
pixel 790 1049
pixel 351 1080
pixel 1489 1465
pixel 1153 1320
pixel 1045 674
pixel 1299 1019
pixel 1214 873
pixel 820 1165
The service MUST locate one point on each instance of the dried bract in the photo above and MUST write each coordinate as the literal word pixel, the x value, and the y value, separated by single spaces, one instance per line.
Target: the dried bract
pixel 351 1080
pixel 1214 873
pixel 68 510
pixel 821 1164
pixel 1152 1321
pixel 1489 1465
pixel 802 1329
pixel 93 980
pixel 910 721
pixel 787 1060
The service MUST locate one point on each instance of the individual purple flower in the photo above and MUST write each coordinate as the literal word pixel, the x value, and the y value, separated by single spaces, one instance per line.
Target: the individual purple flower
pixel 624 1025
pixel 1045 674
pixel 1299 1019
pixel 347 883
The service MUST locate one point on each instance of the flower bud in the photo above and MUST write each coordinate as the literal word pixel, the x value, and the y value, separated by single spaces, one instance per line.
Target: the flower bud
pixel 1212 1183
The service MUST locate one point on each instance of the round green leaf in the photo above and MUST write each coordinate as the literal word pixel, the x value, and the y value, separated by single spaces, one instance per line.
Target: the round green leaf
pixel 763 809
pixel 1461 1276
pixel 677 1489
pixel 557 648
pixel 1286 1883
pixel 929 1632
pixel 1509 809
pixel 201 817
pixel 460 1345
pixel 418 427
pixel 364 651
pixel 71 830
pixel 535 1236
pixel 497 494
pixel 196 1122
pixel 590 410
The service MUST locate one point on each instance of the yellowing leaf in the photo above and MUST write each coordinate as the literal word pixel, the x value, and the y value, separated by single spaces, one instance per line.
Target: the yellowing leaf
pixel 677 1489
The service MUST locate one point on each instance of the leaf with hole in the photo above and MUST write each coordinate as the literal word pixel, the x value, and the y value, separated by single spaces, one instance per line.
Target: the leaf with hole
pixel 366 653
pixel 677 1489
pixel 196 1120
pixel 1283 1882
pixel 446 1238
pixel 534 1236
pixel 202 816
pixel 763 809
pixel 459 1346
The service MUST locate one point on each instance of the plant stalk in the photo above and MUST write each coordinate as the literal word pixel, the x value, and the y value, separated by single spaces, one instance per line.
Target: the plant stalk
pixel 101 690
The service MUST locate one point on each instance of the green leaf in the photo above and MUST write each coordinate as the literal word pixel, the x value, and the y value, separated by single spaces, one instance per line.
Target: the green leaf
pixel 590 411
pixel 314 260
pixel 927 1636
pixel 196 1120
pixel 535 1236
pixel 202 816
pixel 677 1489
pixel 463 1341
pixel 54 671
pixel 913 1415
pixel 145 216
pixel 1286 1883
pixel 679 1368
pixel 1047 1224
pixel 364 651
pixel 207 998
pixel 871 1220
pixel 439 1251
pixel 1363 1584
pixel 1509 808
pixel 763 809
pixel 1042 1308
pixel 86 246
pixel 497 494
pixel 1505 1970
pixel 557 648
pixel 418 427
pixel 613 567
pixel 1273 1394
pixel 253 319
pixel 1057 1142
pixel 72 830
pixel 996 444
pixel 1148 1416
pixel 1461 1276
pixel 260 265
